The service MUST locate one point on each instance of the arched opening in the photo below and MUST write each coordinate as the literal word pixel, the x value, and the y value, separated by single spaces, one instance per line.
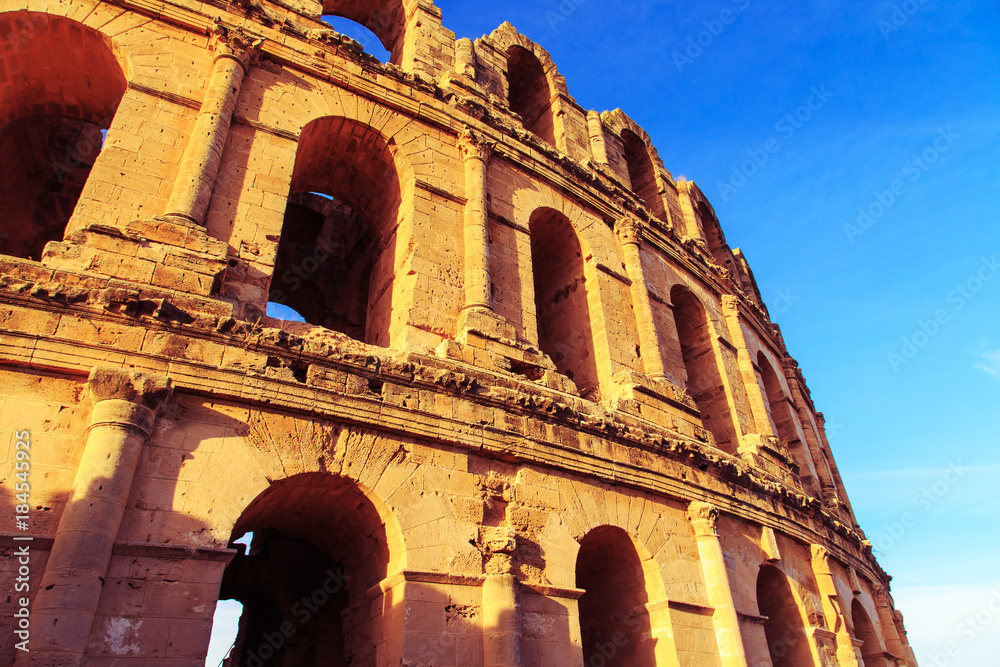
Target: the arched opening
pixel 614 622
pixel 336 259
pixel 642 173
pixel 309 580
pixel 782 421
pixel 386 20
pixel 785 629
pixel 56 106
pixel 864 631
pixel 704 379
pixel 713 236
pixel 528 93
pixel 368 40
pixel 562 310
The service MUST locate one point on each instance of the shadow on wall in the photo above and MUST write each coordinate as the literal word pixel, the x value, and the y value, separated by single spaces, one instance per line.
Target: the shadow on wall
pixel 319 551
pixel 336 259
pixel 51 123
pixel 562 308
pixel 614 623
pixel 787 642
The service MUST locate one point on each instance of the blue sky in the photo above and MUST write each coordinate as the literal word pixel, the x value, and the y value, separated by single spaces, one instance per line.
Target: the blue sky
pixel 795 120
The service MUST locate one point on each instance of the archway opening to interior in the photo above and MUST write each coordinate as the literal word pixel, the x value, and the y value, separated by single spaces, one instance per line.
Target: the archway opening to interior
pixel 864 631
pixel 309 579
pixel 782 417
pixel 777 404
pixel 529 94
pixel 368 40
pixel 704 379
pixel 54 114
pixel 385 21
pixel 712 231
pixel 784 628
pixel 642 173
pixel 562 309
pixel 614 622
pixel 336 260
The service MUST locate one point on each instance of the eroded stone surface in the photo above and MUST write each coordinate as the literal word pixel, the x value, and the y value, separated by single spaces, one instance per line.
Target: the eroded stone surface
pixel 538 415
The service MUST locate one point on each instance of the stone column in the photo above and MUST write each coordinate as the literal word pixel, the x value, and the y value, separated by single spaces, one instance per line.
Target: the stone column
pixel 595 128
pixel 758 401
pixel 691 226
pixel 475 155
pixel 125 407
pixel 911 659
pixel 883 606
pixel 703 518
pixel 200 162
pixel 827 486
pixel 630 233
pixel 832 610
pixel 845 503
pixel 501 611
pixel 465 58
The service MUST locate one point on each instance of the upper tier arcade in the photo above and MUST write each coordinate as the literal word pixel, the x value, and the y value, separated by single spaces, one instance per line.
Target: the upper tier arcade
pixel 481 264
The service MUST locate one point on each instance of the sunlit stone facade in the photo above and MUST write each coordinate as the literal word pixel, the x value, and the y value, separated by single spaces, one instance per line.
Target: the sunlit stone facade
pixel 538 413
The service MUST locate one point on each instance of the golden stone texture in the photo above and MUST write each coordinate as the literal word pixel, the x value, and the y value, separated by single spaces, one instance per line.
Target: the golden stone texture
pixel 539 414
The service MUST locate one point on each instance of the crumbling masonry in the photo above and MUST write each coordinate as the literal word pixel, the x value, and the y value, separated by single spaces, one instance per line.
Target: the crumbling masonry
pixel 538 415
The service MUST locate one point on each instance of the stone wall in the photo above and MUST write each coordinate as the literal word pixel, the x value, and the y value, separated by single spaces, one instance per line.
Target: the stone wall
pixel 538 413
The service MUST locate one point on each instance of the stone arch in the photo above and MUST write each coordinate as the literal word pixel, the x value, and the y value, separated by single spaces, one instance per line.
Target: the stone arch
pixel 712 233
pixel 785 626
pixel 642 174
pixel 864 631
pixel 388 20
pixel 642 164
pixel 322 544
pixel 528 93
pixel 703 376
pixel 507 40
pixel 782 415
pixel 614 616
pixel 52 114
pixel 336 261
pixel 562 298
pixel 782 421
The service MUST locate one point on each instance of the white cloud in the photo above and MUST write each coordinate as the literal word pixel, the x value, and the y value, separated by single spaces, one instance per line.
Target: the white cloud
pixel 990 363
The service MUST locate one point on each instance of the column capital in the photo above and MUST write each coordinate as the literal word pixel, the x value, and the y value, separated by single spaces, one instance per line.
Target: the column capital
pixel 629 230
pixel 235 43
pixel 474 146
pixel 704 518
pixel 118 384
pixel 730 304
pixel 820 558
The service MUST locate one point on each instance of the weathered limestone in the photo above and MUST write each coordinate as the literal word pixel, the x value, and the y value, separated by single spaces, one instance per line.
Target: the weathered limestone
pixel 703 519
pixel 476 155
pixel 630 232
pixel 125 407
pixel 203 155
pixel 832 609
pixel 535 414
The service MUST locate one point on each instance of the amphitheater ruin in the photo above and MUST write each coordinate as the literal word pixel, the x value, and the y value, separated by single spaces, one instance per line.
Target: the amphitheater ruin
pixel 538 413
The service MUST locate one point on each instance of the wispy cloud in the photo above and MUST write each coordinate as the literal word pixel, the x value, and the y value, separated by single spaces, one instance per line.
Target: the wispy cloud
pixel 990 363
